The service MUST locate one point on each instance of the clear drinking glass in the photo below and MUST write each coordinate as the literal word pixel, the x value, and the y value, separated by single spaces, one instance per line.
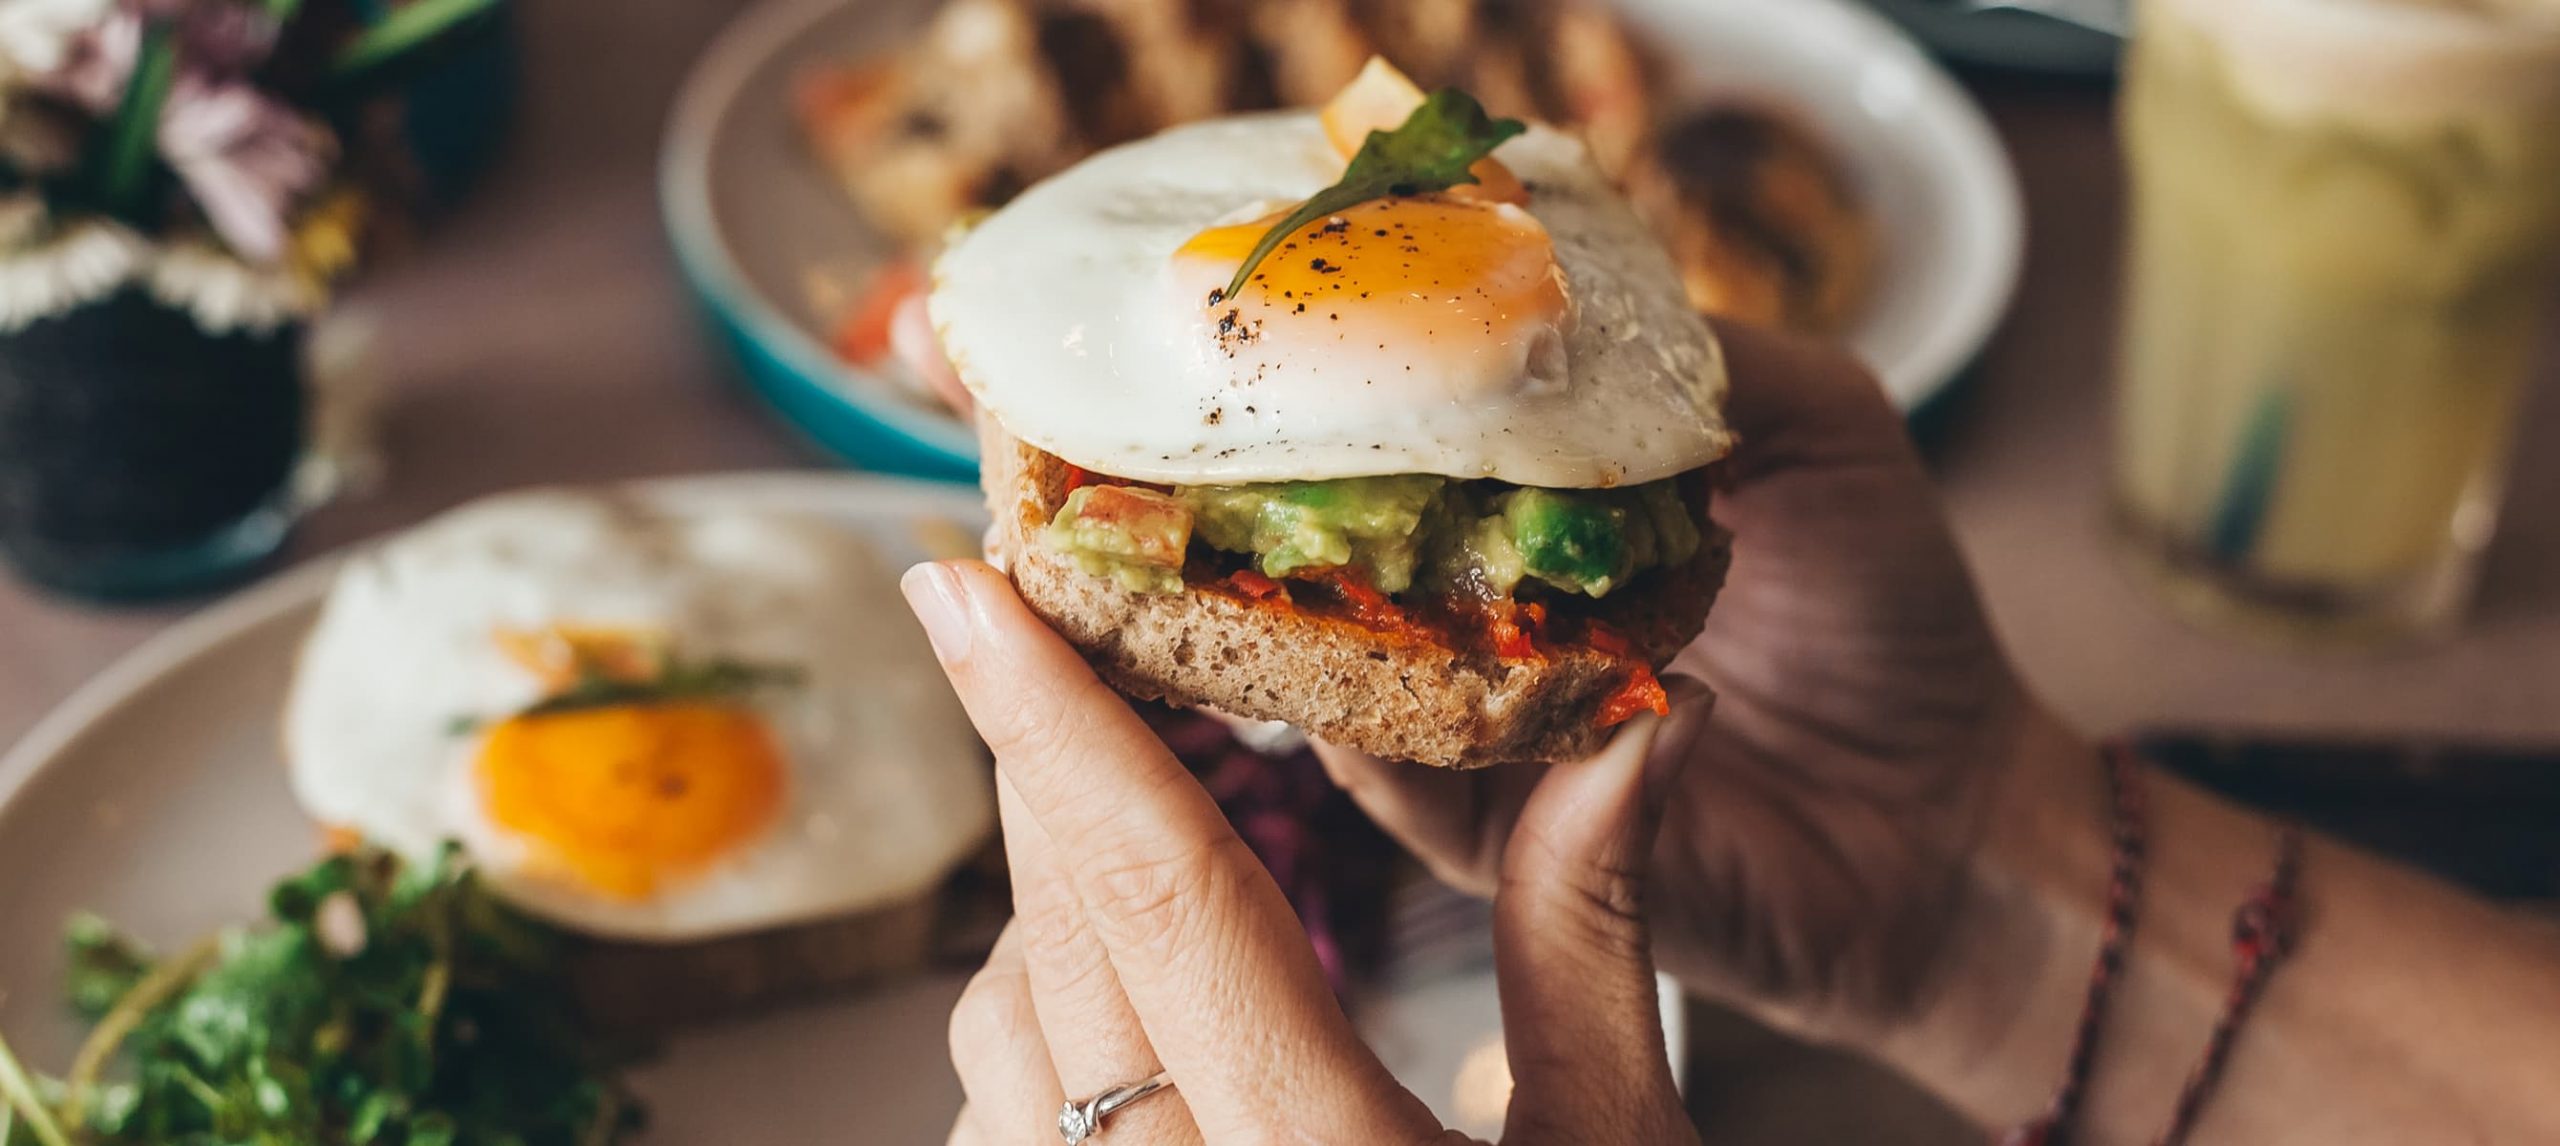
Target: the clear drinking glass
pixel 2346 220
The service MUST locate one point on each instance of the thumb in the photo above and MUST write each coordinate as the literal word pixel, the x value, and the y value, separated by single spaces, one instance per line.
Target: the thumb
pixel 1579 1005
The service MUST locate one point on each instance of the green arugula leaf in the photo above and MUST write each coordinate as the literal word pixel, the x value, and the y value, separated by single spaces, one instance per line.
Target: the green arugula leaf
pixel 449 1023
pixel 104 965
pixel 679 681
pixel 1430 152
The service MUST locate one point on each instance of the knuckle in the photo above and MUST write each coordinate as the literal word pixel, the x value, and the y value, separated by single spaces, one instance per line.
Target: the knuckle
pixel 1598 902
pixel 1151 897
pixel 1049 922
pixel 1035 719
pixel 1078 969
pixel 1040 714
pixel 993 1012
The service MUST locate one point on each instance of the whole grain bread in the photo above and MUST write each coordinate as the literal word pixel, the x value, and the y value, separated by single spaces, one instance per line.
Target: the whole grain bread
pixel 1394 694
pixel 646 991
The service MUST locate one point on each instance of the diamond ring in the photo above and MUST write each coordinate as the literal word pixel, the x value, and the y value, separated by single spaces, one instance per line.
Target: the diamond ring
pixel 1078 1121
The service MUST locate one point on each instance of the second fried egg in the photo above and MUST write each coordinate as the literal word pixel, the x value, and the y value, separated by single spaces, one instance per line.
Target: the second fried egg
pixel 641 724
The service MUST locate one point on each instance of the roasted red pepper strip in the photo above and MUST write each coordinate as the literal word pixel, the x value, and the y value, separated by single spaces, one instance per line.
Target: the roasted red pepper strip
pixel 1642 692
pixel 1258 587
pixel 1367 603
pixel 1515 629
pixel 862 335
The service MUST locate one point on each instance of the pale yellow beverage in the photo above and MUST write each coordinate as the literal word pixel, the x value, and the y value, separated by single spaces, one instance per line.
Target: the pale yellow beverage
pixel 2346 230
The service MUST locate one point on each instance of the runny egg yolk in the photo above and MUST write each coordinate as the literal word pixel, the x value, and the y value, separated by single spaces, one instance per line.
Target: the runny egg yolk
pixel 626 799
pixel 1410 297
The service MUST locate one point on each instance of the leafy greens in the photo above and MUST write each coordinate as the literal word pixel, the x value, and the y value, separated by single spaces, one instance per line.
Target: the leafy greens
pixel 383 1005
pixel 1431 151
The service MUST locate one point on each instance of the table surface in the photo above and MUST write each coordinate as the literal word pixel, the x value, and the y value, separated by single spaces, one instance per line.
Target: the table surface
pixel 542 336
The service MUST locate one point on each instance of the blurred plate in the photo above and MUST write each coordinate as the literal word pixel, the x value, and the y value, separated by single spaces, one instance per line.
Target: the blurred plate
pixel 1926 163
pixel 156 797
pixel 2006 38
pixel 751 212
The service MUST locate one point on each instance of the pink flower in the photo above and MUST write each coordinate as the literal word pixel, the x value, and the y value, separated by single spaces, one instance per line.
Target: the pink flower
pixel 246 158
pixel 226 41
pixel 37 35
pixel 95 66
pixel 92 66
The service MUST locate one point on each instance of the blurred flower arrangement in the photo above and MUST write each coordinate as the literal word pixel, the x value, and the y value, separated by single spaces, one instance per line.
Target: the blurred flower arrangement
pixel 191 149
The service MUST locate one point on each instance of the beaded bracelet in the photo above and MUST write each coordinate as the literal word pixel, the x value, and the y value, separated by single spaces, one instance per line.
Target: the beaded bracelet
pixel 2262 934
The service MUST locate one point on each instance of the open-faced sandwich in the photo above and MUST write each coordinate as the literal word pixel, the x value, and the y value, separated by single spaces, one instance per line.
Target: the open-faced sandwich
pixel 713 745
pixel 1390 422
pixel 1000 94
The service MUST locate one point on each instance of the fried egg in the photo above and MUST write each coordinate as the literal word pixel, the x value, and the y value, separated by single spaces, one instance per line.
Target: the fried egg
pixel 1542 343
pixel 641 724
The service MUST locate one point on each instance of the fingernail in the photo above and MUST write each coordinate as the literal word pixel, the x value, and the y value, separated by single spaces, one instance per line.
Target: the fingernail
pixel 941 605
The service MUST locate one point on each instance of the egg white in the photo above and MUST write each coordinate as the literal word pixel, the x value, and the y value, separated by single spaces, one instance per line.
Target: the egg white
pixel 1055 312
pixel 887 788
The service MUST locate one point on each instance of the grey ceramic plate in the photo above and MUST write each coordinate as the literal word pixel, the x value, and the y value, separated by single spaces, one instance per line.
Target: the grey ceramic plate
pixel 155 796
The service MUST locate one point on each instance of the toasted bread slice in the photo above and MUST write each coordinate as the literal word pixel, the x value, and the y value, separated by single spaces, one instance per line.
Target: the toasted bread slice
pixel 646 991
pixel 1397 693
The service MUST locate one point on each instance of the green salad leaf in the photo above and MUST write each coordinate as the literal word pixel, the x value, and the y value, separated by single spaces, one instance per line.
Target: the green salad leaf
pixel 382 1004
pixel 677 683
pixel 1431 151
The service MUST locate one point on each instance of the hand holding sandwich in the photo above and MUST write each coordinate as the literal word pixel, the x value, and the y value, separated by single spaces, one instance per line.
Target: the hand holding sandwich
pixel 1148 938
pixel 1812 842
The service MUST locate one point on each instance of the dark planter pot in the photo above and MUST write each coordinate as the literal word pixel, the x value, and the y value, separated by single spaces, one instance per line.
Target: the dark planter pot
pixel 142 458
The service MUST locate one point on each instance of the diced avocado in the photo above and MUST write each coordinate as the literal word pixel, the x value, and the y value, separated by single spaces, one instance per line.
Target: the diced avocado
pixel 1660 527
pixel 1482 538
pixel 1370 522
pixel 1137 537
pixel 1467 548
pixel 1572 540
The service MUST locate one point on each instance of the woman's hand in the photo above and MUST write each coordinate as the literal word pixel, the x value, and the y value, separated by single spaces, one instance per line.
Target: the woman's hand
pixel 1147 937
pixel 1813 846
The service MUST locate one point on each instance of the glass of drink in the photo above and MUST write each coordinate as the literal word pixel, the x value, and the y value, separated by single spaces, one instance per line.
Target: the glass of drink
pixel 2345 229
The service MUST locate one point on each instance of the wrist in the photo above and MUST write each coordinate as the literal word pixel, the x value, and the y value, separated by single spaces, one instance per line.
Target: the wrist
pixel 1993 1029
pixel 1996 1037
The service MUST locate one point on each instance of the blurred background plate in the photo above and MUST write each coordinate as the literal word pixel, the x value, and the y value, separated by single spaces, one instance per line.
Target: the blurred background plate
pixel 2005 38
pixel 156 796
pixel 750 212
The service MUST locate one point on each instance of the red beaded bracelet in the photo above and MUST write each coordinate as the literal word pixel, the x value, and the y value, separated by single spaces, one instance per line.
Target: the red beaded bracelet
pixel 2262 934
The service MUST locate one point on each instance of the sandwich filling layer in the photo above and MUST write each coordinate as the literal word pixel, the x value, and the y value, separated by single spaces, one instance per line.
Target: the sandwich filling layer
pixel 1484 569
pixel 1398 534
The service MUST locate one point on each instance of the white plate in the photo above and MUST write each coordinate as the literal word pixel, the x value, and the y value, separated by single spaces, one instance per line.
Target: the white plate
pixel 749 212
pixel 1917 148
pixel 155 796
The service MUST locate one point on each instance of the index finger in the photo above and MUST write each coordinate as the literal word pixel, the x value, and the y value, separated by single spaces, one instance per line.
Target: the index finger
pixel 1213 959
